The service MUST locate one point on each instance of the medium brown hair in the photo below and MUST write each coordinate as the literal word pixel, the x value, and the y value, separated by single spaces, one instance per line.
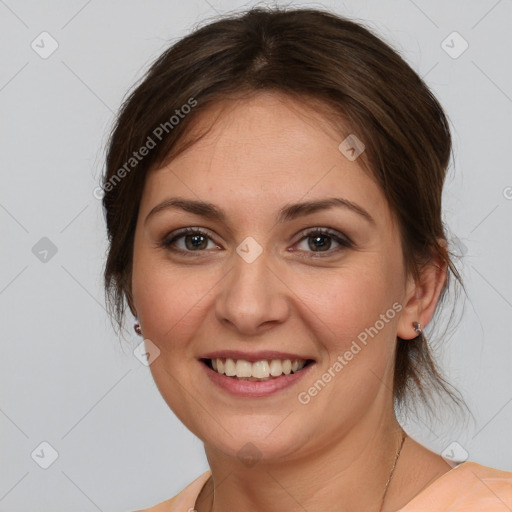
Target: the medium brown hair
pixel 317 57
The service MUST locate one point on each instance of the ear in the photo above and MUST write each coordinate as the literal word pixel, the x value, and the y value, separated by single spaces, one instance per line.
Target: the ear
pixel 422 296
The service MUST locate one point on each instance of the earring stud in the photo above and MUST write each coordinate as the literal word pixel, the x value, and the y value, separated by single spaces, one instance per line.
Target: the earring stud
pixel 417 327
pixel 137 329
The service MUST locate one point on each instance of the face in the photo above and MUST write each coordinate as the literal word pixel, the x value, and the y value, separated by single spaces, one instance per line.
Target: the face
pixel 261 279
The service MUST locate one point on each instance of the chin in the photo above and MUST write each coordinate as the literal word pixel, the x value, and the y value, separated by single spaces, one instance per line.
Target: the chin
pixel 251 442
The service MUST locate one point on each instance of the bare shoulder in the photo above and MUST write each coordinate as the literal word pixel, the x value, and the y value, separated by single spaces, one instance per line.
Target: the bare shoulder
pixel 427 478
pixel 165 506
pixel 184 500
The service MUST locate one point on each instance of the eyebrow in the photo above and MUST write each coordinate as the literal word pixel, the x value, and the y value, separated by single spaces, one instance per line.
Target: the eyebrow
pixel 287 213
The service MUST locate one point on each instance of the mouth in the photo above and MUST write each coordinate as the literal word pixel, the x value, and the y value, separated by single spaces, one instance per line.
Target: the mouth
pixel 257 371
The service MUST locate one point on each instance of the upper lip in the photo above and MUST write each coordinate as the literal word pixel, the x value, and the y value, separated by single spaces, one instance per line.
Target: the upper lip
pixel 262 355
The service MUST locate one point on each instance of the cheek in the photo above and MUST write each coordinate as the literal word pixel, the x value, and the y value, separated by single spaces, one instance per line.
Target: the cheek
pixel 164 296
pixel 168 299
pixel 350 303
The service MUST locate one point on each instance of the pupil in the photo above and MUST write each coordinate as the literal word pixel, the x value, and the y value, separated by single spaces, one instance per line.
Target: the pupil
pixel 319 242
pixel 197 241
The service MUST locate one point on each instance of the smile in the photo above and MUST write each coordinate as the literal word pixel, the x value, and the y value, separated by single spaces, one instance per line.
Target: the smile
pixel 263 370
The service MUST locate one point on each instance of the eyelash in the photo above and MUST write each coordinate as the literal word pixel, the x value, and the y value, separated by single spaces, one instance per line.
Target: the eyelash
pixel 343 241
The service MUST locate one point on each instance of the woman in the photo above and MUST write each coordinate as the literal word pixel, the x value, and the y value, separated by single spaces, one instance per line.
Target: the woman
pixel 273 203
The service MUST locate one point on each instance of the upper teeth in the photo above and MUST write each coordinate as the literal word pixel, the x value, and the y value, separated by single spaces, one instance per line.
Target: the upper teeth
pixel 258 369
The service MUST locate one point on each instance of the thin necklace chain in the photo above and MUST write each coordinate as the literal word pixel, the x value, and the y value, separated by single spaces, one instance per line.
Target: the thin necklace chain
pixel 397 456
pixel 404 435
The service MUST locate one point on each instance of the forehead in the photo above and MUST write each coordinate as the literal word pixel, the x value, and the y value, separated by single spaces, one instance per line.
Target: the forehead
pixel 261 152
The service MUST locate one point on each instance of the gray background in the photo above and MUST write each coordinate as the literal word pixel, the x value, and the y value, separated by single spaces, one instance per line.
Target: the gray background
pixel 66 379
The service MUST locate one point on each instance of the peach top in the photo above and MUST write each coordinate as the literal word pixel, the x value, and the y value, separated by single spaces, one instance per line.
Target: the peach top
pixel 468 487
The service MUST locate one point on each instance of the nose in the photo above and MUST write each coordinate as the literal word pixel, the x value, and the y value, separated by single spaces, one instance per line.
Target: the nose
pixel 252 298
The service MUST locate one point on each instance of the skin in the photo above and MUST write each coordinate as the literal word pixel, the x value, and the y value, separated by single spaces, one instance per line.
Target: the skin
pixel 336 452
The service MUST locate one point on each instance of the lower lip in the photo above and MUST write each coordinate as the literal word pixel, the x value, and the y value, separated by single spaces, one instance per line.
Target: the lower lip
pixel 248 388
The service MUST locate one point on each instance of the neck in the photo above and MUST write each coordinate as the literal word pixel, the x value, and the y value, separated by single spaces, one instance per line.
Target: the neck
pixel 348 473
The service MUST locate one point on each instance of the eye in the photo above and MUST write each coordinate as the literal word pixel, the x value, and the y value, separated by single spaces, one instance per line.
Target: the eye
pixel 317 241
pixel 321 240
pixel 189 240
